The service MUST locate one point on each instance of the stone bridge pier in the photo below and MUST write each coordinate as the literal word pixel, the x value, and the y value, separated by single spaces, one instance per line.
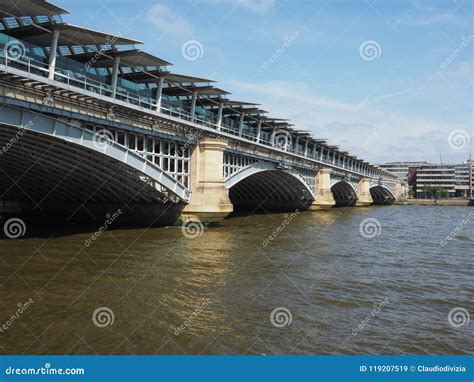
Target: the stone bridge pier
pixel 209 198
pixel 269 186
pixel 324 197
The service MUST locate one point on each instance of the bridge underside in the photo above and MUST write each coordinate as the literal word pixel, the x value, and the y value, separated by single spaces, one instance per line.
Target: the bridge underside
pixel 344 195
pixel 270 191
pixel 381 195
pixel 54 178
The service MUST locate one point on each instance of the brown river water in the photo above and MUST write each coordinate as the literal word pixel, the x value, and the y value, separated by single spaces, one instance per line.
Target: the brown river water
pixel 328 282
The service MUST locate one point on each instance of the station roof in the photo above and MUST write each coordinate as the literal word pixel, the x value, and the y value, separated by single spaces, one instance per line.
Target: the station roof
pixel 275 120
pixel 20 8
pixel 73 35
pixel 128 58
pixel 153 76
pixel 246 111
pixel 279 124
pixel 178 91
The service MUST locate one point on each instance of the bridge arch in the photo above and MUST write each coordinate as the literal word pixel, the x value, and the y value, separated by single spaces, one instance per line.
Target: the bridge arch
pixel 382 195
pixel 268 187
pixel 45 159
pixel 344 193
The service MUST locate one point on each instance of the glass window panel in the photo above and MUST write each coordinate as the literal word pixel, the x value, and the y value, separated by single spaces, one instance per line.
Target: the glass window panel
pixel 132 141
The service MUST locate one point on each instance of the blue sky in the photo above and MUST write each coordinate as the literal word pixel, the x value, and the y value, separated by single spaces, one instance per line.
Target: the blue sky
pixel 408 96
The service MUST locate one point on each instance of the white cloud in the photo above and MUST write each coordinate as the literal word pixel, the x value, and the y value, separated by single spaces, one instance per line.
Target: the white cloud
pixel 256 5
pixel 250 5
pixel 425 20
pixel 167 20
pixel 297 91
pixel 352 125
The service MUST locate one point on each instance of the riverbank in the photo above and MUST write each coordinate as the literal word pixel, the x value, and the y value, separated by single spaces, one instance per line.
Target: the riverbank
pixel 437 202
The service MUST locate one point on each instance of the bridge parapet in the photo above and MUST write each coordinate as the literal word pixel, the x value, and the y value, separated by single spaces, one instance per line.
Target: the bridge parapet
pixel 58 150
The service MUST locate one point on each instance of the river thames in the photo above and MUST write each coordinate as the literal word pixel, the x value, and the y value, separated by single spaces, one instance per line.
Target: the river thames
pixel 377 280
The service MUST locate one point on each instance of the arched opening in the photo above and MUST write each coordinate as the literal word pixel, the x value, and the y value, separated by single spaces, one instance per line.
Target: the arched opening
pixel 381 195
pixel 270 190
pixel 52 181
pixel 344 194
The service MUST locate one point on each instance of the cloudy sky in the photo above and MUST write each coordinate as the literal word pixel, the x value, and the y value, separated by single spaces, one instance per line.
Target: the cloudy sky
pixel 388 80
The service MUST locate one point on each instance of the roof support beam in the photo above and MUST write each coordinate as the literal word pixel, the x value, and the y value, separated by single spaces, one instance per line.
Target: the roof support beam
pixel 53 54
pixel 159 93
pixel 259 130
pixel 219 115
pixel 115 72
pixel 241 123
pixel 193 105
pixel 272 139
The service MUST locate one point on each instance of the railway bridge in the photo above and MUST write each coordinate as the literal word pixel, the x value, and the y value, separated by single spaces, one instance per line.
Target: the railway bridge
pixel 91 123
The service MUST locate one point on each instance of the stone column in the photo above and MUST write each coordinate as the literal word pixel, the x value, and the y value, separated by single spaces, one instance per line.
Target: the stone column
pixel 209 198
pixel 364 196
pixel 324 197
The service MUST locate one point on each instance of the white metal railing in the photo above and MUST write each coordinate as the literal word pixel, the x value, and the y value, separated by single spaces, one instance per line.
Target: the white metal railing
pixel 81 81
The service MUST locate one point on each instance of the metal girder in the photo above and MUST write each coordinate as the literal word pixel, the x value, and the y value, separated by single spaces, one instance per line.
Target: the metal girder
pixel 86 140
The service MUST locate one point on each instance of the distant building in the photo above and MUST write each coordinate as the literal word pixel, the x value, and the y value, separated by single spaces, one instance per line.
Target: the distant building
pixel 464 182
pixel 402 169
pixel 456 179
pixel 435 176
